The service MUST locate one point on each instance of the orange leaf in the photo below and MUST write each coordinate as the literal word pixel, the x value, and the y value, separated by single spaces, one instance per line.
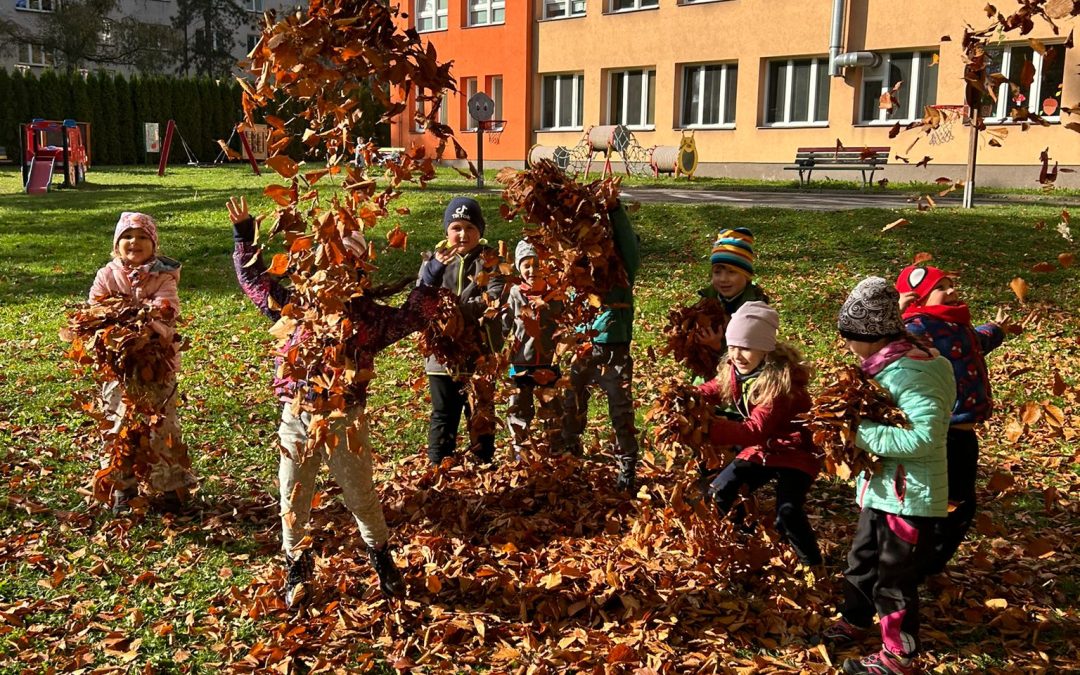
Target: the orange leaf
pixel 1043 267
pixel 279 193
pixel 284 165
pixel 1020 288
pixel 1066 259
pixel 397 238
pixel 279 264
pixel 922 257
pixel 894 224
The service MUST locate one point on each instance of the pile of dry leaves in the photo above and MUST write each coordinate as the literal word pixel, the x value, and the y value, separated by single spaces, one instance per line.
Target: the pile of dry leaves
pixel 683 334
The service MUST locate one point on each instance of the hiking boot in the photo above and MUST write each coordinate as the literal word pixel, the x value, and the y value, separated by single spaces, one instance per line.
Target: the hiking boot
pixel 298 577
pixel 390 581
pixel 120 501
pixel 882 663
pixel 843 632
pixel 626 480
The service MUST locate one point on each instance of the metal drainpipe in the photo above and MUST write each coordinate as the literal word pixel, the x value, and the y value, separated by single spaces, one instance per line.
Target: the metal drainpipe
pixel 836 39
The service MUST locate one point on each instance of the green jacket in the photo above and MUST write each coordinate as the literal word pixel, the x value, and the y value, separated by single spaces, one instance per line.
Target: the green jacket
pixel 615 324
pixel 913 478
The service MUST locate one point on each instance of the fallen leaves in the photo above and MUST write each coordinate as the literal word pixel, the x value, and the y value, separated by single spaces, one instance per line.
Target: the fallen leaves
pixel 895 224
pixel 683 335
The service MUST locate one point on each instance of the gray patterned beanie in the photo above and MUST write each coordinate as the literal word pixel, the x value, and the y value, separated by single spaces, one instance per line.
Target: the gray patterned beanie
pixel 524 250
pixel 871 312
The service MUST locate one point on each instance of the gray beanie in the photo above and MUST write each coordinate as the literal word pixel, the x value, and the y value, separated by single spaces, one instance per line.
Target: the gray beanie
pixel 753 326
pixel 871 312
pixel 524 250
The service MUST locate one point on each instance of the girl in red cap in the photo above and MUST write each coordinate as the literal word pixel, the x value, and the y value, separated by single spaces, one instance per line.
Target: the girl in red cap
pixel 932 309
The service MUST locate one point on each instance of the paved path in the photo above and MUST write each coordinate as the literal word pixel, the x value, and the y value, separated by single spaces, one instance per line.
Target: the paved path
pixel 819 201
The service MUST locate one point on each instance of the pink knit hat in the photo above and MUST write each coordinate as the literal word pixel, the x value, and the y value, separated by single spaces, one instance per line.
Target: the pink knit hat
pixel 130 220
pixel 753 326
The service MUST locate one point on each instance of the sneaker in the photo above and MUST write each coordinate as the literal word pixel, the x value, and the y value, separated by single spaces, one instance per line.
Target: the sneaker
pixel 120 502
pixel 882 663
pixel 626 481
pixel 298 577
pixel 390 581
pixel 843 632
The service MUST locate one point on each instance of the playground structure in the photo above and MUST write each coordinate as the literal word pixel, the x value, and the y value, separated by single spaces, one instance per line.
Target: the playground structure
pixel 45 144
pixel 617 141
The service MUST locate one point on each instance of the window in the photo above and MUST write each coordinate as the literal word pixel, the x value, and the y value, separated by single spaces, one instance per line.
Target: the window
pixel 631 5
pixel 37 5
pixel 252 40
pixel 917 74
pixel 708 95
pixel 470 86
pixel 632 97
pixel 423 106
pixel 562 101
pixel 35 55
pixel 1034 79
pixel 431 15
pixel 253 5
pixel 554 9
pixel 106 32
pixel 797 92
pixel 486 12
pixel 494 90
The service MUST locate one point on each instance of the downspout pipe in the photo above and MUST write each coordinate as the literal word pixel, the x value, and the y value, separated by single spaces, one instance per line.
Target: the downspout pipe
pixel 851 59
pixel 836 37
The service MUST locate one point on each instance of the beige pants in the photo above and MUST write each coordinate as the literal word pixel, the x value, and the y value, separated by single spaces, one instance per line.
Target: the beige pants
pixel 161 463
pixel 351 468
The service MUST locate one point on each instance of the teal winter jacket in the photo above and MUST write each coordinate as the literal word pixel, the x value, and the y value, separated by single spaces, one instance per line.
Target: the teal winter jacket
pixel 913 478
pixel 615 324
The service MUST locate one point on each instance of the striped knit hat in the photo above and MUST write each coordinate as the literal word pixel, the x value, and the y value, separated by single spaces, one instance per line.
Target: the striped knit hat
pixel 735 248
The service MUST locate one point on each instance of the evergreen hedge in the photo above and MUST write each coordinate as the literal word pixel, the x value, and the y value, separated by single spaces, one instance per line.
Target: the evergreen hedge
pixel 116 108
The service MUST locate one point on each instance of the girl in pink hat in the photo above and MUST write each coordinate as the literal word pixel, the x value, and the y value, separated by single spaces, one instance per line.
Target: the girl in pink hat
pixel 162 467
pixel 763 386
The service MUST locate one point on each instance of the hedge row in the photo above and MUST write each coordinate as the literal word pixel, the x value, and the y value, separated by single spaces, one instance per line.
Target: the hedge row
pixel 116 108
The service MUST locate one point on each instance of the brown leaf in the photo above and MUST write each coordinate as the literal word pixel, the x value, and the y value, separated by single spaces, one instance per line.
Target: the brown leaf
pixel 279 264
pixel 1020 288
pixel 283 165
pixel 895 224
pixel 921 258
pixel 1043 267
pixel 1066 259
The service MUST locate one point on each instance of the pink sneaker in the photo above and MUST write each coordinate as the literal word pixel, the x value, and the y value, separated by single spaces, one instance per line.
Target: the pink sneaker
pixel 882 663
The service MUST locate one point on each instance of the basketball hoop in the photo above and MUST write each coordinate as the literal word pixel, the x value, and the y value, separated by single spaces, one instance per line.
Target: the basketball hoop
pixel 493 129
pixel 941 119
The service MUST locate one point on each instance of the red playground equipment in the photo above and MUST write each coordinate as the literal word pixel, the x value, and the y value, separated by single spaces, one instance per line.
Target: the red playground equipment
pixel 45 144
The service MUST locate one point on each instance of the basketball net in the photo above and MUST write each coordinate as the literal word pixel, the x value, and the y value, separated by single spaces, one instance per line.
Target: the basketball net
pixel 946 117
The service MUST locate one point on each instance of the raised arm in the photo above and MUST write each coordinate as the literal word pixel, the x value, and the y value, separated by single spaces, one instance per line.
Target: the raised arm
pixel 251 274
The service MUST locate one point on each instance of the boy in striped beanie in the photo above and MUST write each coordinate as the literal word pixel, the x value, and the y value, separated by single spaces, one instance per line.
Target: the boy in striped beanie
pixel 731 279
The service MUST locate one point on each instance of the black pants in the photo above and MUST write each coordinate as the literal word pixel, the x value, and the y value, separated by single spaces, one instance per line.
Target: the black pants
pixel 963 449
pixel 448 401
pixel 791 488
pixel 883 576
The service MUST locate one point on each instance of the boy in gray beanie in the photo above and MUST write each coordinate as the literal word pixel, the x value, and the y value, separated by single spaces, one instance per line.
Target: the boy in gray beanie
pixel 530 321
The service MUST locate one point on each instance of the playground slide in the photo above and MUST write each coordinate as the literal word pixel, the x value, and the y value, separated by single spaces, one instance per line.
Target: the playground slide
pixel 41 171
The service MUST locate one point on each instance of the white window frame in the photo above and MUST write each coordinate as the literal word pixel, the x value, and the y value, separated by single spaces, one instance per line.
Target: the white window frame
pixel 32 51
pixel 495 91
pixel 816 62
pixel 255 6
pixel 1035 95
pixel 470 88
pixel 488 7
pixel 29 6
pixel 567 8
pixel 645 125
pixel 637 7
pixel 920 68
pixel 444 114
pixel 438 15
pixel 697 124
pixel 577 94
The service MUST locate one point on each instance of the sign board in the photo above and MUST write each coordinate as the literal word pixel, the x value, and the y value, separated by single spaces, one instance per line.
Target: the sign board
pixel 258 137
pixel 152 137
pixel 481 107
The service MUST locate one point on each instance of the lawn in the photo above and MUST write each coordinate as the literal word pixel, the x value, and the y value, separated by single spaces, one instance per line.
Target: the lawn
pixel 79 590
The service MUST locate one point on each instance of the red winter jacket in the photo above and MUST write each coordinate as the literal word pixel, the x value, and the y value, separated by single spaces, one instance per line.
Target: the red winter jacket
pixel 771 435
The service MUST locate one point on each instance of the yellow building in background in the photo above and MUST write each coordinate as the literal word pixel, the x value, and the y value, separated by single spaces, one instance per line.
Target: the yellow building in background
pixel 751 80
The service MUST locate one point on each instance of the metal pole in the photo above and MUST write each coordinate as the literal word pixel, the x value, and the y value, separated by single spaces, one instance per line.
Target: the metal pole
pixel 973 153
pixel 23 149
pixel 67 155
pixel 479 155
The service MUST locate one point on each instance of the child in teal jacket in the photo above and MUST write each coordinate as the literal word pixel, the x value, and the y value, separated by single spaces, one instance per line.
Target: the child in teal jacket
pixel 906 497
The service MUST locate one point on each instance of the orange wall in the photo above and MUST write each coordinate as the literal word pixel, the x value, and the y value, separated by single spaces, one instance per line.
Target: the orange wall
pixel 481 52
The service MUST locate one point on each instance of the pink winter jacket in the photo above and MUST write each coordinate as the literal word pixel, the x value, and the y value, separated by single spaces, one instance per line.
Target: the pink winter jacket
pixel 154 282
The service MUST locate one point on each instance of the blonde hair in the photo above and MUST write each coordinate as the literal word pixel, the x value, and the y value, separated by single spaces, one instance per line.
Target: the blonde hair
pixel 779 371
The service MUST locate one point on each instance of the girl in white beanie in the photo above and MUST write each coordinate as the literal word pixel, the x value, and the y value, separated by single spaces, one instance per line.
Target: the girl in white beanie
pixel 763 386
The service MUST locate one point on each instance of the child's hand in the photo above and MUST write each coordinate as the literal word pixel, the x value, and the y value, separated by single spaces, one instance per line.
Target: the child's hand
pixel 712 339
pixel 444 252
pixel 1002 321
pixel 906 299
pixel 238 210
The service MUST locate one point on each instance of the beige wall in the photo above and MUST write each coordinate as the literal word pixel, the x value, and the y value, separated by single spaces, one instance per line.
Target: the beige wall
pixel 753 31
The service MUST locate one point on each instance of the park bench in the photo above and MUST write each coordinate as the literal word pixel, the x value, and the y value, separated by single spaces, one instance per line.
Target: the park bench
pixel 866 160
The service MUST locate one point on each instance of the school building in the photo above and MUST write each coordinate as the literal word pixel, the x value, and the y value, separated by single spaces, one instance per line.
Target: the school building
pixel 752 79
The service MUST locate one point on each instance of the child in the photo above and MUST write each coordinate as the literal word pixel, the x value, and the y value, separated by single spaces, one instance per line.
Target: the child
pixel 932 308
pixel 350 465
pixel 903 500
pixel 458 264
pixel 138 272
pixel 532 322
pixel 609 363
pixel 765 383
pixel 732 279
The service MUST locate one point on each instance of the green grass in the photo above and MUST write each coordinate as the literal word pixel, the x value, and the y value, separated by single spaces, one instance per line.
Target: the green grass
pixel 51 246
